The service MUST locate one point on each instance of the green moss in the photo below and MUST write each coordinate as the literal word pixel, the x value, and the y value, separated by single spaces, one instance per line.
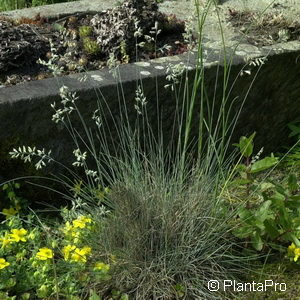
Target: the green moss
pixel 85 31
pixel 90 46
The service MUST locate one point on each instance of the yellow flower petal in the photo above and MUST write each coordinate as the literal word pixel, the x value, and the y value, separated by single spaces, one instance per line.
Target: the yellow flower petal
pixel 18 235
pixel 44 254
pixel 73 253
pixel 67 250
pixel 3 263
pixel 81 221
pixel 86 250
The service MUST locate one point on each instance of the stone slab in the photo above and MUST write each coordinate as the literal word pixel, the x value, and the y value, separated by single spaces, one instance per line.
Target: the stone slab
pixel 61 9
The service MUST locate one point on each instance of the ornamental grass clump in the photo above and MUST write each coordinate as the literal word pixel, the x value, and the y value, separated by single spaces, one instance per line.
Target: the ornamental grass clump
pixel 165 233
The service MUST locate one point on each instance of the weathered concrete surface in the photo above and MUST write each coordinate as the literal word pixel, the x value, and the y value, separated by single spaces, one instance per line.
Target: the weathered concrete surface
pixel 272 100
pixel 215 15
pixel 61 9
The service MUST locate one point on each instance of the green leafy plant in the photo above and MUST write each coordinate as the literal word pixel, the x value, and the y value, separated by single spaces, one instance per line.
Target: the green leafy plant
pixel 249 169
pixel 272 219
pixel 38 260
pixel 256 165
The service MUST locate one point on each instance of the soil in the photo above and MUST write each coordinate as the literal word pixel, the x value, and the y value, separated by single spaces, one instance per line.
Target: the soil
pixel 84 42
pixel 264 29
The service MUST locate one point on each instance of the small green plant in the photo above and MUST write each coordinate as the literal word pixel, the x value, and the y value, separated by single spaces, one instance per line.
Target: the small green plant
pixel 251 166
pixel 85 31
pixel 90 46
pixel 272 219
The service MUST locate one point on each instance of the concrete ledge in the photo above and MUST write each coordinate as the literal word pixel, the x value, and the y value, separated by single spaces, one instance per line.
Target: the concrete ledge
pixel 61 9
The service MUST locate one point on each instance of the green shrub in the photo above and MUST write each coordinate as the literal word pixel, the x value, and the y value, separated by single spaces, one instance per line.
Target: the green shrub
pixel 270 216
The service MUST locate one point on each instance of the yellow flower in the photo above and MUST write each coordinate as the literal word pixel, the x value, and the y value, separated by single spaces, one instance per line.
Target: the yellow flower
pixel 67 250
pixel 101 267
pixel 86 250
pixel 3 263
pixel 291 249
pixel 79 255
pixel 297 254
pixel 9 212
pixel 293 252
pixel 81 222
pixel 44 254
pixel 72 253
pixel 18 235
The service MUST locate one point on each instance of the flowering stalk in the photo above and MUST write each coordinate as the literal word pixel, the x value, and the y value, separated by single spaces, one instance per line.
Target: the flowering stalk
pixel 28 153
